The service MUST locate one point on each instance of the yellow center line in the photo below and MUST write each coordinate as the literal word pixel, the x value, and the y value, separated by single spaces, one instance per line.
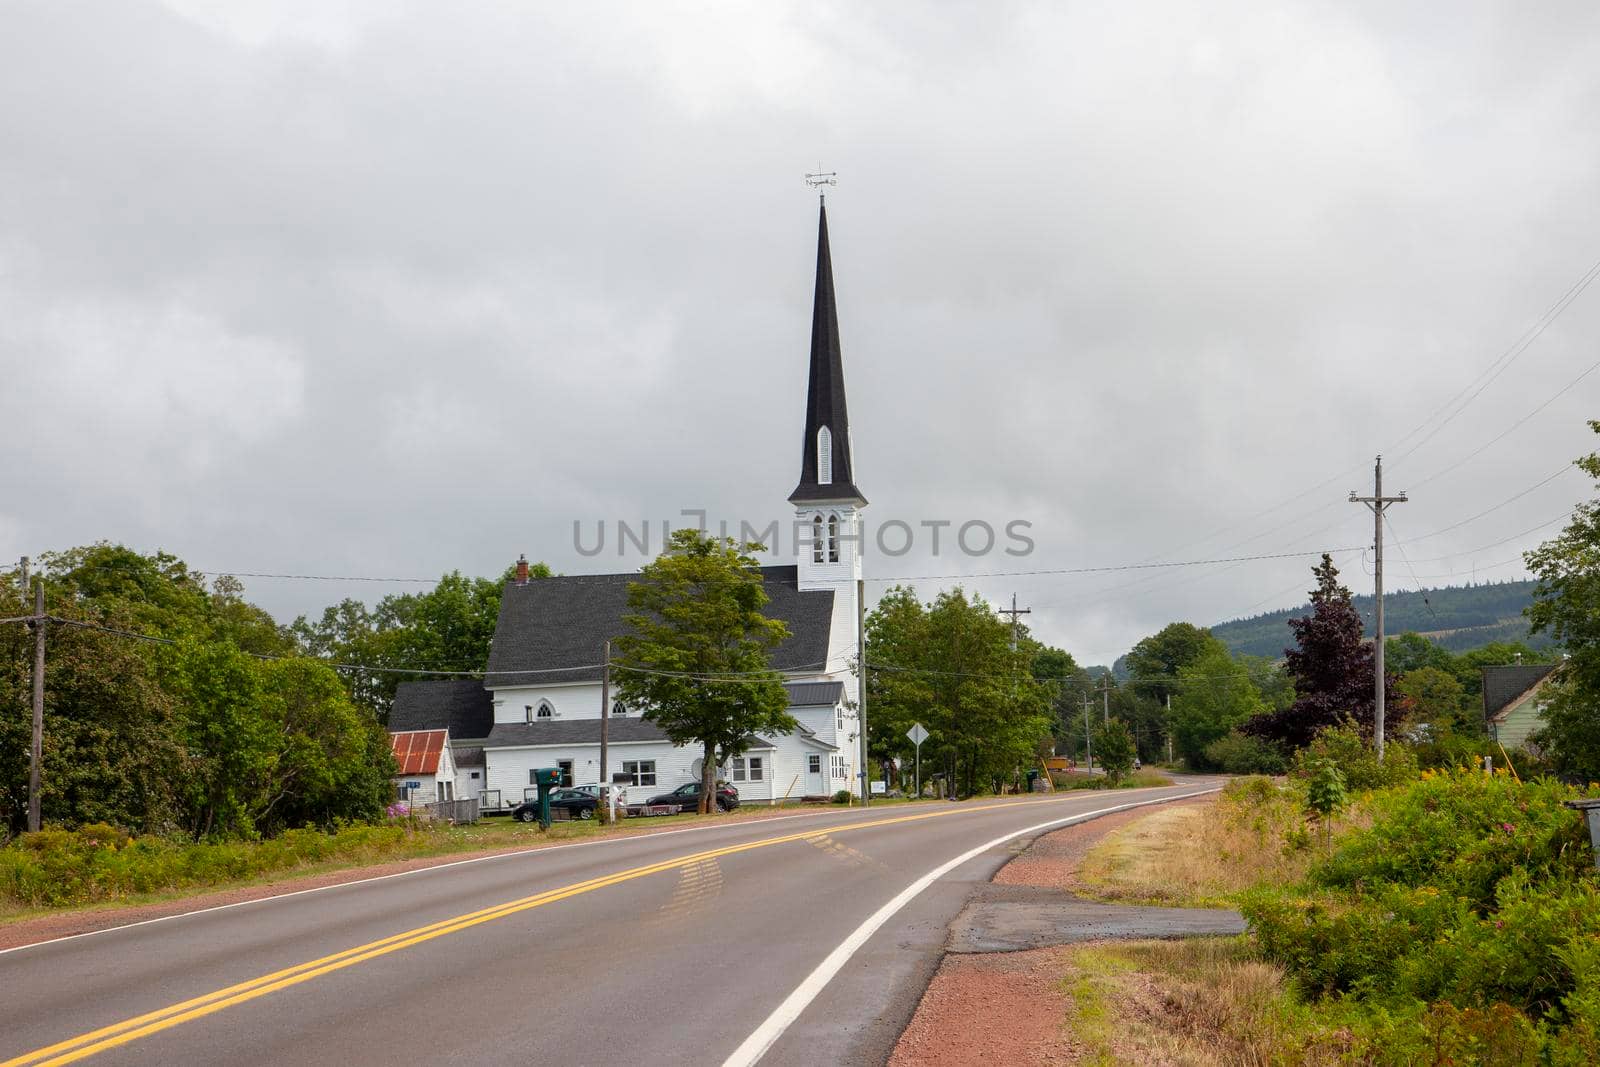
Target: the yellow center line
pixel 128 1030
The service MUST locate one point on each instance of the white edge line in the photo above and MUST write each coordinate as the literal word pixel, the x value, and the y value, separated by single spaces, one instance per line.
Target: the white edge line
pixel 766 1035
pixel 623 840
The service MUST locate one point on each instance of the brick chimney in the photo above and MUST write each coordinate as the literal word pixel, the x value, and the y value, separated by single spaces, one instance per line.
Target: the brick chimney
pixel 522 569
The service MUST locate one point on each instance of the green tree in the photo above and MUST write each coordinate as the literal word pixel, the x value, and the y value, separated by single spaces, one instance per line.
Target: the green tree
pixel 1566 605
pixel 697 660
pixel 1214 695
pixel 951 665
pixel 1153 664
pixel 446 629
pixel 1436 699
pixel 1066 684
pixel 111 752
pixel 1113 747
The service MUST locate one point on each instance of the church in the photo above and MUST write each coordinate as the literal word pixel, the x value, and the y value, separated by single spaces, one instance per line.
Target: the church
pixel 539 702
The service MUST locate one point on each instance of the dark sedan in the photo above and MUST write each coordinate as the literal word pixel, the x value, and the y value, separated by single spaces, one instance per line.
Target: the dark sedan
pixel 687 797
pixel 576 803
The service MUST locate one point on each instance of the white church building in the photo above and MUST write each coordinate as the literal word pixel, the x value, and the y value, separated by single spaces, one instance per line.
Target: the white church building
pixel 539 703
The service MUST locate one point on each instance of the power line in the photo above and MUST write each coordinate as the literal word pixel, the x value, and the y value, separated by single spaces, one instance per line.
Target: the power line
pixel 1505 360
pixel 1510 429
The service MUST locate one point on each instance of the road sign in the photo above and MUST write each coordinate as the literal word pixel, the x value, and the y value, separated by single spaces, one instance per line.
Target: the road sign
pixel 918 735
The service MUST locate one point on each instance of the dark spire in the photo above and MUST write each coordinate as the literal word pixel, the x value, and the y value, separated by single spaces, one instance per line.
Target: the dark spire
pixel 825 405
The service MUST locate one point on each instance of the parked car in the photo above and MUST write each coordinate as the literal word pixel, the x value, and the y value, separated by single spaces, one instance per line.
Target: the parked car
pixel 575 802
pixel 687 797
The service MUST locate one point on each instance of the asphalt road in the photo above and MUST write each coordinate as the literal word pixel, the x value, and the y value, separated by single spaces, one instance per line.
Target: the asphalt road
pixel 803 940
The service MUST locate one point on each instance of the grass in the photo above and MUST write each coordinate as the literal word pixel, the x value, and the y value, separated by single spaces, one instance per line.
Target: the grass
pixel 1204 1001
pixel 1206 854
pixel 1143 778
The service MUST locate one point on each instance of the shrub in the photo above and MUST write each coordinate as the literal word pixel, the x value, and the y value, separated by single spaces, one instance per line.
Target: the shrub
pixel 842 797
pixel 1462 832
pixel 54 868
pixel 1242 754
pixel 1357 760
pixel 1464 923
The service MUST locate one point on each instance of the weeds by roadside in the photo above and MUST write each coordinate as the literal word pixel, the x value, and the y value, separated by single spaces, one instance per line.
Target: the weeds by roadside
pixel 1208 855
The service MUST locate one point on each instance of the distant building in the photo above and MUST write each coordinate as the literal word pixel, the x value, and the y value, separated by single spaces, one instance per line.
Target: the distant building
pixel 1513 704
pixel 426 764
pixel 539 702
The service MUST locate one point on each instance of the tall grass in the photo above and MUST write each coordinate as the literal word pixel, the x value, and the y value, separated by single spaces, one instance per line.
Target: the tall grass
pixel 1208 854
pixel 56 868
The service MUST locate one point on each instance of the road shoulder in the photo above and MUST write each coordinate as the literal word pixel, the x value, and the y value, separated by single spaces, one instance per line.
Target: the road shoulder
pixel 999 991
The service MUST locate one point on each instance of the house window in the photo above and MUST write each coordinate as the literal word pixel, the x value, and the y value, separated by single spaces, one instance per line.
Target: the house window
pixel 748 769
pixel 824 456
pixel 545 710
pixel 756 769
pixel 836 764
pixel 838 717
pixel 618 708
pixel 738 768
pixel 643 771
pixel 817 543
pixel 565 767
pixel 833 539
pixel 813 764
pixel 473 775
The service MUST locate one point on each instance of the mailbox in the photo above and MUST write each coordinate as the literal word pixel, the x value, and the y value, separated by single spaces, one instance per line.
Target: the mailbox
pixel 547 779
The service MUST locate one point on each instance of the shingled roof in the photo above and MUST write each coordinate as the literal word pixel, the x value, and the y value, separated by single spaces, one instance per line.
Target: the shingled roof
pixel 550 628
pixel 1502 686
pixel 585 732
pixel 461 705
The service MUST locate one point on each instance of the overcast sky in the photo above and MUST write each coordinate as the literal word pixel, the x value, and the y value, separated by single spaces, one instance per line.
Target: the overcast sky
pixel 392 289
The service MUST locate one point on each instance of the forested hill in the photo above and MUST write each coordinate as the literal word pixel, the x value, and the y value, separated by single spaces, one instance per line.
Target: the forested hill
pixel 1458 618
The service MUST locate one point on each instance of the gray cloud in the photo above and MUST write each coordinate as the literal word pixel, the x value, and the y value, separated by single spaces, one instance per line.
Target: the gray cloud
pixel 386 289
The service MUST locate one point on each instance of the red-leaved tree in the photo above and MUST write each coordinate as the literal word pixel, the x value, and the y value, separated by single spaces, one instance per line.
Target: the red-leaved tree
pixel 1332 670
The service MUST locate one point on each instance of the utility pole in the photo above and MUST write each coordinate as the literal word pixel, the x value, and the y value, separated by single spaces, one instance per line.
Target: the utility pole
pixel 1016 614
pixel 1169 726
pixel 22 589
pixel 1088 737
pixel 605 734
pixel 1105 696
pixel 861 687
pixel 1378 503
pixel 36 752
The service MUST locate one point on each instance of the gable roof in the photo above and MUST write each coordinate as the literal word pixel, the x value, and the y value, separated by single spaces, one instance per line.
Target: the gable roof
pixel 554 630
pixel 461 705
pixel 825 403
pixel 813 694
pixel 418 751
pixel 1505 686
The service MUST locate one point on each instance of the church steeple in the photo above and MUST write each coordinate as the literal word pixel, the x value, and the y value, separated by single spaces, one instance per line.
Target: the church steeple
pixel 826 470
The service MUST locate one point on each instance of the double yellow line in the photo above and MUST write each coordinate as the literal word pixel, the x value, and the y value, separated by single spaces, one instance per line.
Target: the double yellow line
pixel 129 1030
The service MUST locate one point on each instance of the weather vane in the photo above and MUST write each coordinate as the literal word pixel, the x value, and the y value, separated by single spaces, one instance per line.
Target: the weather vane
pixel 821 178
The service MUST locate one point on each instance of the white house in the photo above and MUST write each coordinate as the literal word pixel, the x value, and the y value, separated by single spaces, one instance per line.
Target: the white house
pixel 539 702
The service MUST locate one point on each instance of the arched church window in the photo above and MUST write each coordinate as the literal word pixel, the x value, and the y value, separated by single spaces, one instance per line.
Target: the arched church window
pixel 824 456
pixel 833 539
pixel 618 708
pixel 545 710
pixel 818 545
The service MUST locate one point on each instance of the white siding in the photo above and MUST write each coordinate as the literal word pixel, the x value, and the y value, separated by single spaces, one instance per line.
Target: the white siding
pixel 580 701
